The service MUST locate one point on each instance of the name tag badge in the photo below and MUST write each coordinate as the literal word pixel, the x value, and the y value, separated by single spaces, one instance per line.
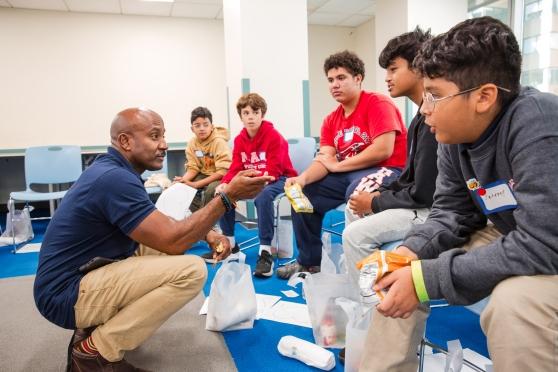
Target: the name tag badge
pixel 199 153
pixel 348 137
pixel 495 197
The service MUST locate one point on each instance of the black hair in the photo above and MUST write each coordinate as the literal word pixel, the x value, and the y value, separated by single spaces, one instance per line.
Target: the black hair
pixel 474 52
pixel 348 60
pixel 405 46
pixel 201 112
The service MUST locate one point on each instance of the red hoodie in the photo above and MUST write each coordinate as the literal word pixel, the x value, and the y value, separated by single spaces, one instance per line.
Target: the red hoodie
pixel 267 152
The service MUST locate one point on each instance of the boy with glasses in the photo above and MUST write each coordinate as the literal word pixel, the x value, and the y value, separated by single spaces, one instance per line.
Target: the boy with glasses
pixel 496 163
pixel 386 215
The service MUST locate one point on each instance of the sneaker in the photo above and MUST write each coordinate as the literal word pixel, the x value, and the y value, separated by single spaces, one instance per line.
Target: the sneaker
pixel 208 257
pixel 264 266
pixel 285 272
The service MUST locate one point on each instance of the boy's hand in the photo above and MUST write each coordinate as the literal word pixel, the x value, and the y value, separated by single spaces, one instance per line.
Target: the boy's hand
pixel 404 251
pixel 329 162
pixel 192 184
pixel 219 244
pixel 360 202
pixel 247 184
pixel 292 180
pixel 401 299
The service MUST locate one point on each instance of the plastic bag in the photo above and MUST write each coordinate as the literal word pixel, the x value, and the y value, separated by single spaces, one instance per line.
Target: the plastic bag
pixel 328 319
pixel 372 269
pixel 299 201
pixel 333 258
pixel 232 299
pixel 21 226
pixel 283 239
pixel 454 359
pixel 356 331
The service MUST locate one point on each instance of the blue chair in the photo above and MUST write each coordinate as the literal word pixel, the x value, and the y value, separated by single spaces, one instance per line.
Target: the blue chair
pixel 48 165
pixel 145 175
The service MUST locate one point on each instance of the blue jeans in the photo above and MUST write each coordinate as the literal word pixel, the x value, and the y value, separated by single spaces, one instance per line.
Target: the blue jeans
pixel 265 210
pixel 326 194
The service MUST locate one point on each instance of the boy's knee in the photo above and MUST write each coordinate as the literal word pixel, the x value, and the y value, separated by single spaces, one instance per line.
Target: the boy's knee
pixel 508 301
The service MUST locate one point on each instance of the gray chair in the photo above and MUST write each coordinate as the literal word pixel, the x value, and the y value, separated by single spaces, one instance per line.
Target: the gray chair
pixel 48 165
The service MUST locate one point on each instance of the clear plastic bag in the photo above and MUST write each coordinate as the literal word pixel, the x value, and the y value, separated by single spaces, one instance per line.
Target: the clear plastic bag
pixel 18 223
pixel 333 258
pixel 232 299
pixel 329 321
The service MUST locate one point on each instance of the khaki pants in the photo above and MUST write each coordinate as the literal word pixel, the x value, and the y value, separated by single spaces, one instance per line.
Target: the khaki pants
pixel 520 322
pixel 130 299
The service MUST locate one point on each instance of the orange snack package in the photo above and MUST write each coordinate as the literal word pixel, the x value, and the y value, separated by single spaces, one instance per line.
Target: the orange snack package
pixel 372 269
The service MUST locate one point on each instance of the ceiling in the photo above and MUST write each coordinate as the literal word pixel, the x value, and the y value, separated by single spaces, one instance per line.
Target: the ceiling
pixel 349 13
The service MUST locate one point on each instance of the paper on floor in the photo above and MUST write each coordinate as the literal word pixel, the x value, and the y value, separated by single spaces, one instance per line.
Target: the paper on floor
pixel 264 302
pixel 28 248
pixel 437 362
pixel 290 293
pixel 290 313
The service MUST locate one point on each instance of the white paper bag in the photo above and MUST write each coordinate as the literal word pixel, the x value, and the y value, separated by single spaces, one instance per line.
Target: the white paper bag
pixel 232 298
pixel 175 201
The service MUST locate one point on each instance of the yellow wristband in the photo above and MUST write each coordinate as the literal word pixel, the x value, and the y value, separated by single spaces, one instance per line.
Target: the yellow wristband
pixel 418 280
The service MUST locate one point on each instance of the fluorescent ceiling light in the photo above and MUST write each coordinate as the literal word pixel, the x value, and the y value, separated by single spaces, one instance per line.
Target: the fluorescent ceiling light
pixel 158 1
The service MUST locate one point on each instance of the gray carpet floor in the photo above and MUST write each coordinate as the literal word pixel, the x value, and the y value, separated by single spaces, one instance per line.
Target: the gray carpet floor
pixel 28 342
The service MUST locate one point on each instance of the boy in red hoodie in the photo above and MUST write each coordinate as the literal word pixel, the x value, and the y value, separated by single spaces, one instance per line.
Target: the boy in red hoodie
pixel 261 147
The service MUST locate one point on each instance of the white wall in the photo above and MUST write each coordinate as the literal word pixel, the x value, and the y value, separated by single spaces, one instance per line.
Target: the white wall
pixel 365 47
pixel 65 75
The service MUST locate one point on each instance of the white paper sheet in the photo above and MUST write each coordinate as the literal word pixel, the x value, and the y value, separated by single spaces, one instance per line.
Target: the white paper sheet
pixel 290 293
pixel 290 313
pixel 28 248
pixel 437 362
pixel 175 201
pixel 264 302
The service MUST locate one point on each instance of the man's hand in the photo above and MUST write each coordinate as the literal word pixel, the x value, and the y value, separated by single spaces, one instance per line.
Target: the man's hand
pixel 218 241
pixel 292 180
pixel 401 299
pixel 247 184
pixel 222 187
pixel 329 162
pixel 360 202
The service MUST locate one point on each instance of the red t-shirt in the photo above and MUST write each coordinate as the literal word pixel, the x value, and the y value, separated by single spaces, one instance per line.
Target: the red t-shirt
pixel 374 115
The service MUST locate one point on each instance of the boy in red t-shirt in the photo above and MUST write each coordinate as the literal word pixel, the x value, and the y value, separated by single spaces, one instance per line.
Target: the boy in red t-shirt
pixel 261 147
pixel 364 136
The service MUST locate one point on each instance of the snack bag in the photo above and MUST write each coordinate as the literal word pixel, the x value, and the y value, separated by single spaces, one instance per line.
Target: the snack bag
pixel 298 200
pixel 372 269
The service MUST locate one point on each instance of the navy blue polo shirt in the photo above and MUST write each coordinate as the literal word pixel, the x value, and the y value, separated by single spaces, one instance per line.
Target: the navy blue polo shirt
pixel 94 219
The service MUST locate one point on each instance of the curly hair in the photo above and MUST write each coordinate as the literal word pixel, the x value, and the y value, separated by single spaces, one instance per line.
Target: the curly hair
pixel 474 52
pixel 201 112
pixel 348 60
pixel 405 46
pixel 254 100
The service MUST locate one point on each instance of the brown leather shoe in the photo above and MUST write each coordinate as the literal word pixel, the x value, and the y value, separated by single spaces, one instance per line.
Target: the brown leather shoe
pixel 96 363
pixel 79 335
